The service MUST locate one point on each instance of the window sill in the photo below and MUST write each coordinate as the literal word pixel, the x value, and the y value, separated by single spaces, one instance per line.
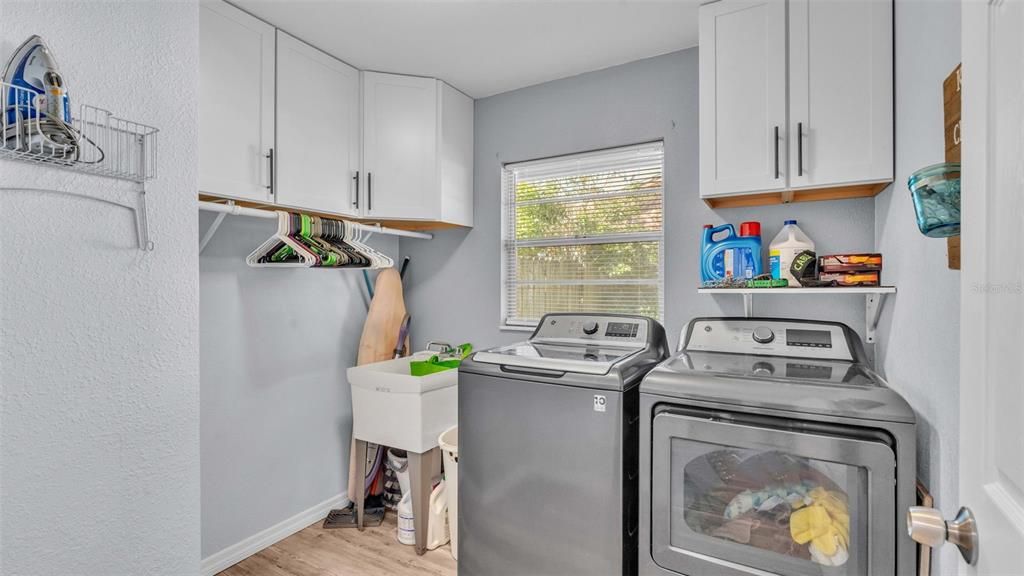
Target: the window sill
pixel 505 328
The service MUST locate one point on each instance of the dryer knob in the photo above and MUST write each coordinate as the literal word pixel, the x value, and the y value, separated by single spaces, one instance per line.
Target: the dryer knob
pixel 762 369
pixel 590 327
pixel 763 335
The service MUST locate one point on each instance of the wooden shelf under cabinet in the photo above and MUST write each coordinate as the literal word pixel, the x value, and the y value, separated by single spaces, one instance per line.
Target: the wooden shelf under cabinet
pixel 790 196
pixel 411 225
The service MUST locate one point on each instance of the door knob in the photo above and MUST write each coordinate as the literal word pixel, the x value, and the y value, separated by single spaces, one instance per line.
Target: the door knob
pixel 926 526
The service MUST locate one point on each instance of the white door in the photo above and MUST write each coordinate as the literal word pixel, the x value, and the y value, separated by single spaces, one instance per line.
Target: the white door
pixel 400 146
pixel 318 149
pixel 992 310
pixel 236 103
pixel 841 92
pixel 742 97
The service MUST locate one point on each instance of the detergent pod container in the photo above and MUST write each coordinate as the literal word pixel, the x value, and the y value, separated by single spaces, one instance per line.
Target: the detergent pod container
pixel 726 255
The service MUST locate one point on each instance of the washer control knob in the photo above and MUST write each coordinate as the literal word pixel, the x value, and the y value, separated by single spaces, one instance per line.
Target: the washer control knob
pixel 762 369
pixel 590 327
pixel 763 335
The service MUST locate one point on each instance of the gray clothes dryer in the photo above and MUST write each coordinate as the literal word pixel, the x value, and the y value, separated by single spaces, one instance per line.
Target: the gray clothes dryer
pixel 548 448
pixel 771 447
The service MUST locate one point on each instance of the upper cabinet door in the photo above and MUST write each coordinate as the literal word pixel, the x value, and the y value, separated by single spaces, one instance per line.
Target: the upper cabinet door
pixel 318 149
pixel 742 97
pixel 841 92
pixel 236 103
pixel 400 143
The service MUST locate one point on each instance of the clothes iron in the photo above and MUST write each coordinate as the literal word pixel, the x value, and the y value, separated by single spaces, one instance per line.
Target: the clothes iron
pixel 37 116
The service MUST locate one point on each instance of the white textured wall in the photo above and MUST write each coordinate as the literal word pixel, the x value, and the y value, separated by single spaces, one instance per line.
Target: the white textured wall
pixel 919 332
pixel 276 404
pixel 99 382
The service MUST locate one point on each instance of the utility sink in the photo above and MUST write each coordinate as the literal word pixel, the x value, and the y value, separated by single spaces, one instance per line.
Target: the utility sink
pixel 393 408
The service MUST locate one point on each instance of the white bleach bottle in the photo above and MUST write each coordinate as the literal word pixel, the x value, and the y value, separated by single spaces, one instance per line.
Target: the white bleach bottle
pixel 788 243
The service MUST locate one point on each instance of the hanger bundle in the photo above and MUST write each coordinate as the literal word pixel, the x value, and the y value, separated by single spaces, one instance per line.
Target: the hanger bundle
pixel 304 241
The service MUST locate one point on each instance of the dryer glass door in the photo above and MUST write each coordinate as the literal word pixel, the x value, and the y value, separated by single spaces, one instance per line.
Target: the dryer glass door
pixel 738 495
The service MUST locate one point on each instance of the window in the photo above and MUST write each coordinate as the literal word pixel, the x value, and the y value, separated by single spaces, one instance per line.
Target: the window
pixel 583 233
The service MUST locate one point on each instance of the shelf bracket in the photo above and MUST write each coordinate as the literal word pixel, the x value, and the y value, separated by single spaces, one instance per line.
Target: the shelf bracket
pixel 142 221
pixel 748 305
pixel 872 312
pixel 213 228
pixel 138 210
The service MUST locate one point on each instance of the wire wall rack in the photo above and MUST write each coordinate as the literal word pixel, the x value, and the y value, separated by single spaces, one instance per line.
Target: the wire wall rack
pixel 91 140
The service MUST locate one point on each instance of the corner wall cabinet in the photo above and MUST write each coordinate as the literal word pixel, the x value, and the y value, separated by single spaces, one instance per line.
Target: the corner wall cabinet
pixel 283 124
pixel 796 100
pixel 418 150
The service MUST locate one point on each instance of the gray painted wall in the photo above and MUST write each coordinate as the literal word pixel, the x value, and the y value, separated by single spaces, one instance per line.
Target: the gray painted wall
pixel 919 332
pixel 276 408
pixel 454 280
pixel 99 351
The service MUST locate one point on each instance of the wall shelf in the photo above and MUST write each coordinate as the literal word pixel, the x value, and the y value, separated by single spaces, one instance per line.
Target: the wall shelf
pixel 91 141
pixel 233 209
pixel 874 297
pixel 407 225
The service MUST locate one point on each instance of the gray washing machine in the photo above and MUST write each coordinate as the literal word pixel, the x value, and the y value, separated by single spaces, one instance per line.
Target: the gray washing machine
pixel 548 448
pixel 771 447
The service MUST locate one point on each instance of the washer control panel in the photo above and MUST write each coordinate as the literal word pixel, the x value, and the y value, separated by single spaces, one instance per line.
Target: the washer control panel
pixel 626 330
pixel 804 339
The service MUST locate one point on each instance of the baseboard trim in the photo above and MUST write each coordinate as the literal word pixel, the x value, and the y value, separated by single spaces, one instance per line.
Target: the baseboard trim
pixel 235 553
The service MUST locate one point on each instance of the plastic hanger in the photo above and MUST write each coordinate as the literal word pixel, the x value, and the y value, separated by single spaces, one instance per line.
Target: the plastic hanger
pixel 302 240
pixel 279 251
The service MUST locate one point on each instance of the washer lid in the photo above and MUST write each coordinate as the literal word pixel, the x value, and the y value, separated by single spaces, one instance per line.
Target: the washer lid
pixel 799 385
pixel 560 357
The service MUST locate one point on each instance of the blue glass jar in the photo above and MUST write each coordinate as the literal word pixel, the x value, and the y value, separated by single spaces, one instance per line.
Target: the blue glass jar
pixel 936 194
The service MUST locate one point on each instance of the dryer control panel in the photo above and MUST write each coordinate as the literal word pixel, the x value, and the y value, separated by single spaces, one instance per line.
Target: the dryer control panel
pixel 771 337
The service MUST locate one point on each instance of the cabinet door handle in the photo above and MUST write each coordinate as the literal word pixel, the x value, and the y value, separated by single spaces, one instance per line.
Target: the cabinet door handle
pixel 369 191
pixel 270 160
pixel 356 178
pixel 799 148
pixel 776 152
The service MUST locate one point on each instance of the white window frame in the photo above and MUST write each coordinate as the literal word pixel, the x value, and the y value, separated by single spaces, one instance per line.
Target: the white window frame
pixel 508 186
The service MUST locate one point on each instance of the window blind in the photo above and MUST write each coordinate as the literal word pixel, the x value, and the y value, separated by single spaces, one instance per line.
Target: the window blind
pixel 584 233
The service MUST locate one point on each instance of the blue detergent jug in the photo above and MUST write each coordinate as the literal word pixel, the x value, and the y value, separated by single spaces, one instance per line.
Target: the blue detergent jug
pixel 729 256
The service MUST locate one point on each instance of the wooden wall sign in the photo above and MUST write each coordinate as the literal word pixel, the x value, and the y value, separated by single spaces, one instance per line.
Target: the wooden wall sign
pixel 951 109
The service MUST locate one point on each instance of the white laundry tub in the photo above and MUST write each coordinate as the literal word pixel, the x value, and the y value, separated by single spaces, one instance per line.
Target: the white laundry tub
pixel 393 408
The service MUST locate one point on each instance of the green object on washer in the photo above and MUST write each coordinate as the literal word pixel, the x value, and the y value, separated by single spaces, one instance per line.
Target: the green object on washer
pixel 440 362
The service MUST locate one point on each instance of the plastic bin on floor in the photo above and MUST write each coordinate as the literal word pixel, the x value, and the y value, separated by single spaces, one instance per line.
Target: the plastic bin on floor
pixel 449 443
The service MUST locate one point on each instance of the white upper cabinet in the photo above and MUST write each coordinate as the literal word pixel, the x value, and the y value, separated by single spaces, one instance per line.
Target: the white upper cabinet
pixel 236 103
pixel 820 73
pixel 400 146
pixel 456 156
pixel 742 96
pixel 285 124
pixel 318 138
pixel 841 92
pixel 417 150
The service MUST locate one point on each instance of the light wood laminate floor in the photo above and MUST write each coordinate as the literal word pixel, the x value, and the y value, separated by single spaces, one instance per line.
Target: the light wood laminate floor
pixel 345 552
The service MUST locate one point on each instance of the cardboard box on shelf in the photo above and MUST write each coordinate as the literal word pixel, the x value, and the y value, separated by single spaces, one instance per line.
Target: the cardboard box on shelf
pixel 849 263
pixel 847 279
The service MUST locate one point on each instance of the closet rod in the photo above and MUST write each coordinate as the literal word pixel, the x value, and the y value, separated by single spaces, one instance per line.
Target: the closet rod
pixel 235 210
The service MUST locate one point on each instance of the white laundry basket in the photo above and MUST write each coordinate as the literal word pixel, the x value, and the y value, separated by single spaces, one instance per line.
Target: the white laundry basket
pixel 449 443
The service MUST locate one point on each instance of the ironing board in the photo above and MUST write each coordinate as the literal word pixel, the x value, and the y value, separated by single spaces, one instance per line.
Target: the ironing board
pixel 380 334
